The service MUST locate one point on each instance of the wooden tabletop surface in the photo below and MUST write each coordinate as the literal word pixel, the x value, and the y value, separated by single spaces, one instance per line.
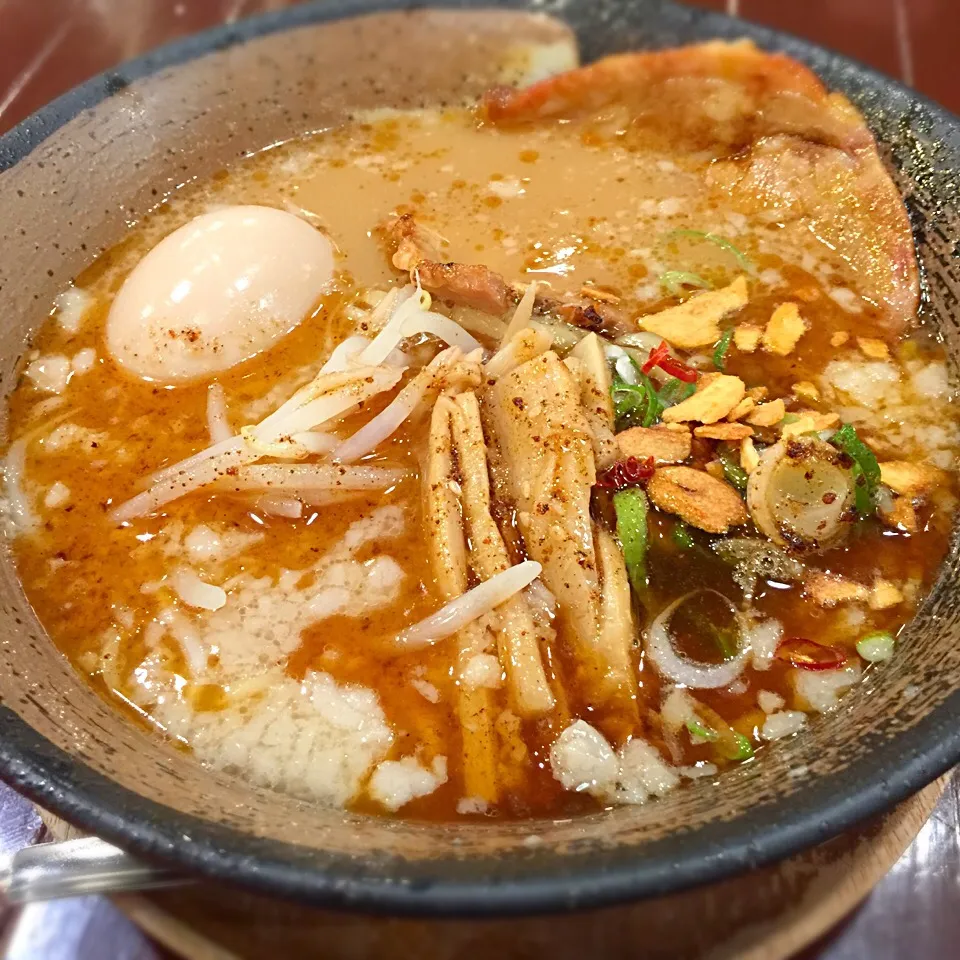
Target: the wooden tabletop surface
pixel 47 46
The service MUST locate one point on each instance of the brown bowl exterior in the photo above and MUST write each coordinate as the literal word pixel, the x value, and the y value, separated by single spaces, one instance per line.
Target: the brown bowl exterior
pixel 80 170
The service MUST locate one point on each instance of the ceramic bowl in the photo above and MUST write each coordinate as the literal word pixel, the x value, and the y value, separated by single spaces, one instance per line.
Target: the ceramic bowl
pixel 80 170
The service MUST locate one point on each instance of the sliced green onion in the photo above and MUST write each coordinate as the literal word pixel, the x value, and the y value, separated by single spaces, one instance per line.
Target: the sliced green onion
pixel 720 350
pixel 790 418
pixel 631 508
pixel 673 281
pixel 740 748
pixel 730 744
pixel 655 406
pixel 876 646
pixel 640 404
pixel 635 404
pixel 728 641
pixel 693 618
pixel 682 536
pixel 865 469
pixel 700 733
pixel 722 242
pixel 674 391
pixel 732 470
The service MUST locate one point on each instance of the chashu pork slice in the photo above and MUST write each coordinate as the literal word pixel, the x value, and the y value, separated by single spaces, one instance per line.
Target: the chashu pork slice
pixel 547 470
pixel 776 142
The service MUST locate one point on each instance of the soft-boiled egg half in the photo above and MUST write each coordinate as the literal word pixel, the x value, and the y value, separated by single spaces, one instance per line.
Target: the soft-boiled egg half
pixel 217 291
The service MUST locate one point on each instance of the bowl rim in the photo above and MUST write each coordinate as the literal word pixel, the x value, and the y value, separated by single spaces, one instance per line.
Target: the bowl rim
pixel 898 766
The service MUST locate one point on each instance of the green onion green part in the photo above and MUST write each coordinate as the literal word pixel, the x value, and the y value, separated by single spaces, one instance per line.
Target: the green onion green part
pixel 732 470
pixel 720 350
pixel 641 404
pixel 742 748
pixel 674 281
pixel 722 242
pixel 876 646
pixel 728 642
pixel 631 509
pixel 865 469
pixel 682 536
pixel 700 733
pixel 635 404
pixel 674 391
pixel 730 744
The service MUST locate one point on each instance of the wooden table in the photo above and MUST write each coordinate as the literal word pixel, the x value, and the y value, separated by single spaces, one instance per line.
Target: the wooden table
pixel 47 46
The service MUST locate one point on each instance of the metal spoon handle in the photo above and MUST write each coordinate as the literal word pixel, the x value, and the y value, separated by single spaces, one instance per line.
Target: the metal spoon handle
pixel 75 868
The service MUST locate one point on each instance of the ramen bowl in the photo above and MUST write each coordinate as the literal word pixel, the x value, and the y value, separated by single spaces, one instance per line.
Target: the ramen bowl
pixel 78 172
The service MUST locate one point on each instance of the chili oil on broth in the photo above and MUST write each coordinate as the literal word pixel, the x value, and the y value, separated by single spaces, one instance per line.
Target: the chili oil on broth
pixel 567 204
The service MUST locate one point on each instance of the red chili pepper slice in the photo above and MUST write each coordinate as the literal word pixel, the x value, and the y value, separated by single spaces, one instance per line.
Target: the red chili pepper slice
pixel 810 655
pixel 680 370
pixel 660 357
pixel 657 355
pixel 626 473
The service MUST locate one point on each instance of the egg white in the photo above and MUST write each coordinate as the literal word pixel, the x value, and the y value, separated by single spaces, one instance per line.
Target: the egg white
pixel 217 291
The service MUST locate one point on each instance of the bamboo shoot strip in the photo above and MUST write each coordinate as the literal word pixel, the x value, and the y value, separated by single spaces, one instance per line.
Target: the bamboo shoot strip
pixel 518 637
pixel 617 628
pixel 447 546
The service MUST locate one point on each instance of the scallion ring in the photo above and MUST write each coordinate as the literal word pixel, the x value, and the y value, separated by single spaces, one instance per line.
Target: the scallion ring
pixel 697 676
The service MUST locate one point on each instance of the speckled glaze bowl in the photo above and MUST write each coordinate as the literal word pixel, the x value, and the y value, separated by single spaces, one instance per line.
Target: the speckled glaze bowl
pixel 76 173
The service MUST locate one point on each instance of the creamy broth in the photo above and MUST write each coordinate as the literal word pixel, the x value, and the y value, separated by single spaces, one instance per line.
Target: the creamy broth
pixel 296 681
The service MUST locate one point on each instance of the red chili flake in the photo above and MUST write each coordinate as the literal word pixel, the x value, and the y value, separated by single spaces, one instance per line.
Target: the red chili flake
pixel 660 357
pixel 626 473
pixel 810 655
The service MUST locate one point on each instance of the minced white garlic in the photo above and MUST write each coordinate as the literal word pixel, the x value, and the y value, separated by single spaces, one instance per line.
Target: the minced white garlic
pixel 50 373
pixel 203 543
pixel 769 702
pixel 582 760
pixel 822 688
pixel 71 305
pixel 57 496
pixel 782 724
pixel 67 435
pixel 643 773
pixel 83 361
pixel 482 670
pixel 395 783
pixel 426 690
pixel 313 738
pixel 763 640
